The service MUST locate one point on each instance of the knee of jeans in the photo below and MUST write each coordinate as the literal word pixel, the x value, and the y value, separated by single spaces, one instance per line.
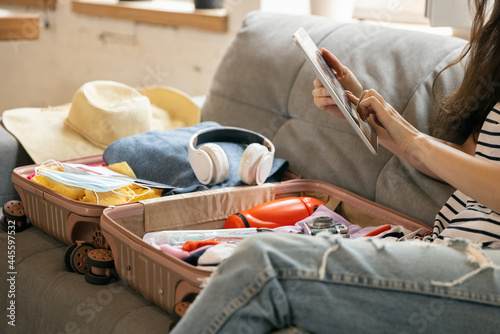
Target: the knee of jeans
pixel 264 244
pixel 474 256
pixel 269 238
pixel 459 244
pixel 257 243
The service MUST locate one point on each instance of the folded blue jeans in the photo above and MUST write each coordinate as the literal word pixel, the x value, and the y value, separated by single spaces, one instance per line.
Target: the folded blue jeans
pixel 327 284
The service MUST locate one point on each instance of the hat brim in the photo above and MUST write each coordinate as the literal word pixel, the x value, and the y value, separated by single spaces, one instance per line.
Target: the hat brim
pixel 43 133
pixel 177 109
pixel 44 136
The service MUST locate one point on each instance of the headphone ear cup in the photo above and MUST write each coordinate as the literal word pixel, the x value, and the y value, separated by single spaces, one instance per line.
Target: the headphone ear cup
pixel 264 168
pixel 202 166
pixel 250 166
pixel 219 162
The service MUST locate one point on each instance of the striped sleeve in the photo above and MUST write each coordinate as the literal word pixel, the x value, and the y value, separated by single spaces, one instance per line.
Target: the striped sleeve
pixel 463 217
pixel 453 206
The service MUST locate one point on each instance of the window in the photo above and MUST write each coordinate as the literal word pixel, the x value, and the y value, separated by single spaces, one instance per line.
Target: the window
pixel 396 11
pixel 407 11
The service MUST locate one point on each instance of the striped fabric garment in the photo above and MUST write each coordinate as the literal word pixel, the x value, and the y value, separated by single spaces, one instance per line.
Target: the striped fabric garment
pixel 463 217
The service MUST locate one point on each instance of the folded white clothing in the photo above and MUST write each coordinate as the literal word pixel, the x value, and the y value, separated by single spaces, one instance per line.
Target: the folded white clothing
pixel 216 254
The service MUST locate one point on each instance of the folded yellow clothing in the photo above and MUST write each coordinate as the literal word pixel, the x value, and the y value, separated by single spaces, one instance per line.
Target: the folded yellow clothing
pixel 122 168
pixel 126 194
pixel 132 193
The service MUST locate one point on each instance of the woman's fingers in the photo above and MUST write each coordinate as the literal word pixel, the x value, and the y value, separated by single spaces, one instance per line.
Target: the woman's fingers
pixel 323 102
pixel 343 73
pixel 352 97
pixel 317 83
pixel 371 105
pixel 374 93
pixel 371 102
pixel 364 110
pixel 333 62
pixel 320 92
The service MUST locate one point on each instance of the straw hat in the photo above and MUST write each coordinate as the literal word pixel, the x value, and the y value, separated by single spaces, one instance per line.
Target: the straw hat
pixel 100 113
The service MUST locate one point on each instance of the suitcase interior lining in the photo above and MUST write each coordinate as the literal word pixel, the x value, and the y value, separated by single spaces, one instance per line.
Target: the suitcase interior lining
pixel 209 210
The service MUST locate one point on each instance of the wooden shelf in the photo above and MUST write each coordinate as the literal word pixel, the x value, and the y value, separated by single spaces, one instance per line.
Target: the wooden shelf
pixel 43 4
pixel 169 13
pixel 18 26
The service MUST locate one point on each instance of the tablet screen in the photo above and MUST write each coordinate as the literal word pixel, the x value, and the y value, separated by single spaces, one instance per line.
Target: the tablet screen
pixel 335 89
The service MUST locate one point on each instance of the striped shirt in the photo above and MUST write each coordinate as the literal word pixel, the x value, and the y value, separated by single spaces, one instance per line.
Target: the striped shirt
pixel 462 216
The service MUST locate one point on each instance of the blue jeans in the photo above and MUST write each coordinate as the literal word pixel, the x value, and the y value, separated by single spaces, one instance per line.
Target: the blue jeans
pixel 326 284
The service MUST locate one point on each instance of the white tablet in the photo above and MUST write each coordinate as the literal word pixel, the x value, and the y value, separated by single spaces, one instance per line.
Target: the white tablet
pixel 335 88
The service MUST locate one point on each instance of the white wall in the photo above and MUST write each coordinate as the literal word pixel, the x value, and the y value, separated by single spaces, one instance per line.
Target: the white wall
pixel 76 48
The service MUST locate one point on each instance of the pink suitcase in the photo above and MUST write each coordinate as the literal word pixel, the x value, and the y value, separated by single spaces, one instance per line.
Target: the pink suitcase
pixel 169 282
pixel 60 217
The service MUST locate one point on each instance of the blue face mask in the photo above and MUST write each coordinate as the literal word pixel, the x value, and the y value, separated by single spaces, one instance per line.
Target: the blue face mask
pixel 95 183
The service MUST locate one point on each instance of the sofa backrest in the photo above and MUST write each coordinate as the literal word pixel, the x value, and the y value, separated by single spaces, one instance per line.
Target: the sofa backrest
pixel 264 84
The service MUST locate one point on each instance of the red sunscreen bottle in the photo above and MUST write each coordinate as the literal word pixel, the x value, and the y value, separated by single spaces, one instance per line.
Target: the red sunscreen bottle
pixel 280 212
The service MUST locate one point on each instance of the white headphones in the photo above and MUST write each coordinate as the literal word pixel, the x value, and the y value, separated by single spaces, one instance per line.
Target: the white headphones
pixel 209 162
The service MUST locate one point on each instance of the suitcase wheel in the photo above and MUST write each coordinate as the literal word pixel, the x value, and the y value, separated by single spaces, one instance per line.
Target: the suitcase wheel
pixel 100 263
pixel 181 307
pixel 98 239
pixel 78 258
pixel 67 257
pixel 92 278
pixel 13 211
pixel 100 258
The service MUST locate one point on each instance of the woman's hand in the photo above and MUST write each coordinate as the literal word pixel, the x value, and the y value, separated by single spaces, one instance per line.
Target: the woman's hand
pixel 322 98
pixel 402 133
pixel 451 163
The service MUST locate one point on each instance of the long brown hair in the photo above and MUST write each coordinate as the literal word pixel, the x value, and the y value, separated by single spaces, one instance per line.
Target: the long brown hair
pixel 465 109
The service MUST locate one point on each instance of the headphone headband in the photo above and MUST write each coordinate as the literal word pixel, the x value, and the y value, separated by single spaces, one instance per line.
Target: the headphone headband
pixel 229 134
pixel 210 164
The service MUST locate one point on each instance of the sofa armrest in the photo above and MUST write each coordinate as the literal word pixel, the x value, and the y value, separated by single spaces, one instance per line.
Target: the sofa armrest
pixel 12 155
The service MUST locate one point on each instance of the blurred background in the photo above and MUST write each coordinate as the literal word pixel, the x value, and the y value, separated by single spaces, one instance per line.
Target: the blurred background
pixel 72 46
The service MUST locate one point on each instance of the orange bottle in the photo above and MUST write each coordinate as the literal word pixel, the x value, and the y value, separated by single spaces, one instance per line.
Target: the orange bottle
pixel 280 212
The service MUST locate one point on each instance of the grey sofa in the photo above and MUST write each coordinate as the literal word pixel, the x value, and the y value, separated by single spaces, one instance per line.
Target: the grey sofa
pixel 262 84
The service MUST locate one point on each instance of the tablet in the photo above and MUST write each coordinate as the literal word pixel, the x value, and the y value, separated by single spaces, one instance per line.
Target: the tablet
pixel 334 87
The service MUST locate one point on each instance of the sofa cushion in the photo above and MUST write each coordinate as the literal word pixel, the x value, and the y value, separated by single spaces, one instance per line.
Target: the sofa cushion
pixel 50 299
pixel 264 84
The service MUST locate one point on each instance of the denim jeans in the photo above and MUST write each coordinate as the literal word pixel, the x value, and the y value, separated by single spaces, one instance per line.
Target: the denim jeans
pixel 326 284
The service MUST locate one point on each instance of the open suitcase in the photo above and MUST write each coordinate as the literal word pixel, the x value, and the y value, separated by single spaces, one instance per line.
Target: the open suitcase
pixel 62 218
pixel 170 282
pixel 161 278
